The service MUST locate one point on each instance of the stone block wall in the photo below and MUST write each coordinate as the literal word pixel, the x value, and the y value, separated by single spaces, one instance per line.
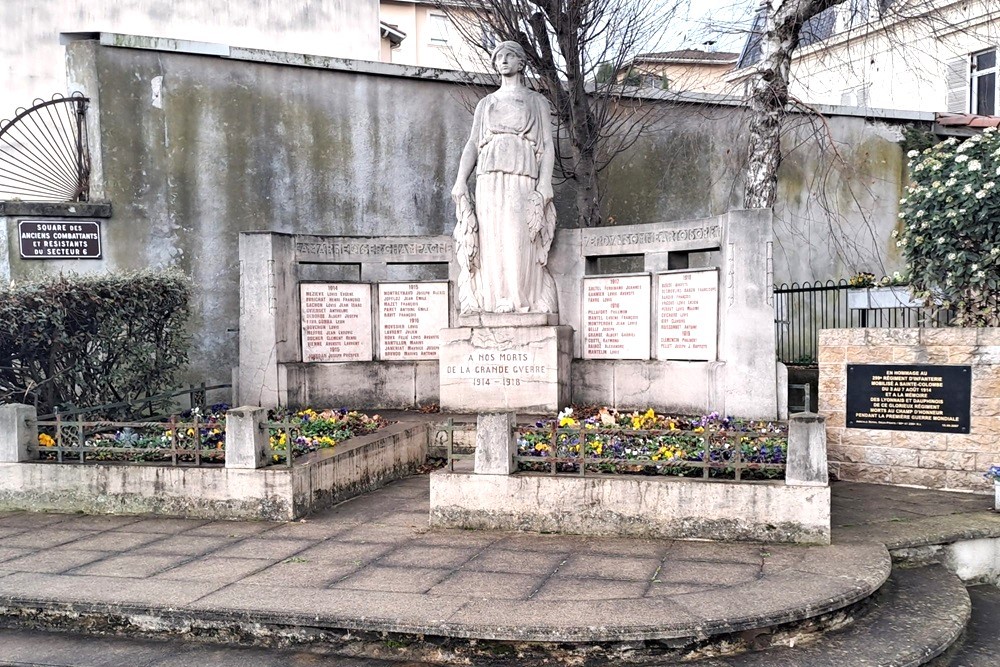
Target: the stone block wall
pixel 932 460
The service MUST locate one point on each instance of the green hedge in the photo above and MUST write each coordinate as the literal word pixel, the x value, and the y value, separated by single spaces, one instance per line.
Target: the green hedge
pixel 90 340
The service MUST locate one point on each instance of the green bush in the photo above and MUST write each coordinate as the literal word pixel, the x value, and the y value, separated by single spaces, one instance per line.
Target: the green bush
pixel 92 340
pixel 950 235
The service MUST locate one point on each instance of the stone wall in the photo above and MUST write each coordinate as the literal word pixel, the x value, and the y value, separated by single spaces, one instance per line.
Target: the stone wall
pixel 192 148
pixel 632 506
pixel 933 460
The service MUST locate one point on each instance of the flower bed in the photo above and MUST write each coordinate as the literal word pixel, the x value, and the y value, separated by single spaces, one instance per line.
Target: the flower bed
pixel 646 443
pixel 197 436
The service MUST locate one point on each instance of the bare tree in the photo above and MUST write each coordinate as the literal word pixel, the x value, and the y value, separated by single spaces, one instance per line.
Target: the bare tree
pixel 769 97
pixel 566 43
pixel 786 24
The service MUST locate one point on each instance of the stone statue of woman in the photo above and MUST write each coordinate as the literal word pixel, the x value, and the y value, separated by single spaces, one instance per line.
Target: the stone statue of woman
pixel 503 237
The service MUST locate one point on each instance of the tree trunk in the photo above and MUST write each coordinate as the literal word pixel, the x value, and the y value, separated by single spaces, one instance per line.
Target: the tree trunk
pixel 588 196
pixel 769 97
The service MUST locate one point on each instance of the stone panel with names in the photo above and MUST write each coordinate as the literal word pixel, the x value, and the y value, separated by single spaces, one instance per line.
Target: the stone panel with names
pixel 688 324
pixel 616 314
pixel 336 321
pixel 411 316
pixel 927 398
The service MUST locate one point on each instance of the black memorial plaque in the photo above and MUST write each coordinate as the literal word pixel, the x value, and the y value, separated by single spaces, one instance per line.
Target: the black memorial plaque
pixel 927 398
pixel 60 239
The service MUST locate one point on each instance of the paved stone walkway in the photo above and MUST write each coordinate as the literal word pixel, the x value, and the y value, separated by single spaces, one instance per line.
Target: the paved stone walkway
pixel 372 564
pixel 904 517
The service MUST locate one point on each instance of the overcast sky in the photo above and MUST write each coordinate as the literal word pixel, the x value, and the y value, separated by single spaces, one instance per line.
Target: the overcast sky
pixel 725 21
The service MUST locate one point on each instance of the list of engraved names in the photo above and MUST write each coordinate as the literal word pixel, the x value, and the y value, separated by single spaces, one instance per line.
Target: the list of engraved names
pixel 411 316
pixel 688 315
pixel 336 322
pixel 616 317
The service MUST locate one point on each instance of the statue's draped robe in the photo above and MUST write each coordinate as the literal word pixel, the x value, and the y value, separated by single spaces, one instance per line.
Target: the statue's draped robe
pixel 515 227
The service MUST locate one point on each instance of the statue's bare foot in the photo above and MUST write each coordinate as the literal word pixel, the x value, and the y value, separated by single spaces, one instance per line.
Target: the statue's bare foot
pixel 505 308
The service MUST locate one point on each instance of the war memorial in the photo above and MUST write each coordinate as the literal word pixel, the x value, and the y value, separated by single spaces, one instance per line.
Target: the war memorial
pixel 498 557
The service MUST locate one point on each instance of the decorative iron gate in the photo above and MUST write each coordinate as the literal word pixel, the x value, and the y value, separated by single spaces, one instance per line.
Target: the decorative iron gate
pixel 44 153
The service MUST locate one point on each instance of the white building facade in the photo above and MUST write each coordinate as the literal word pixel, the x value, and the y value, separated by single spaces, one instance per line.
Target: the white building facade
pixel 920 55
pixel 33 64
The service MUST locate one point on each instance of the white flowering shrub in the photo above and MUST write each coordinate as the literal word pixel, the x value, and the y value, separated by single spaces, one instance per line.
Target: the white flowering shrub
pixel 951 227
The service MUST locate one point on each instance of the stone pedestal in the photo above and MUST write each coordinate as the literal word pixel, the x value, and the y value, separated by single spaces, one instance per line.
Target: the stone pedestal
pixel 495 443
pixel 807 462
pixel 247 443
pixel 504 367
pixel 18 432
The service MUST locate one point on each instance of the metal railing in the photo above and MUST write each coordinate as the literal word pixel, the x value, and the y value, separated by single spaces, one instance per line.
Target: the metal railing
pixel 193 442
pixel 445 436
pixel 581 451
pixel 44 152
pixel 800 311
pixel 177 443
pixel 275 431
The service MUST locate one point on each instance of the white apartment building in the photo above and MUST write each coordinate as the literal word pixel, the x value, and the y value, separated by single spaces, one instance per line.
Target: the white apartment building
pixel 920 55
pixel 426 38
pixel 32 61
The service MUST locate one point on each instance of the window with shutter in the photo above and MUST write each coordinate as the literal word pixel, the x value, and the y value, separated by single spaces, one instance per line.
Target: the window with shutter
pixel 439 28
pixel 957 82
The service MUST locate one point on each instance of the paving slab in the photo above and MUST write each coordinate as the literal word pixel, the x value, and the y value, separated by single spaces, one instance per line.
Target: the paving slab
pixel 980 646
pixel 904 517
pixel 371 564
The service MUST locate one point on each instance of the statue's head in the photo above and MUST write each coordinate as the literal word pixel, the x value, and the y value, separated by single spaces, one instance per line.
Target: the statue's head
pixel 513 53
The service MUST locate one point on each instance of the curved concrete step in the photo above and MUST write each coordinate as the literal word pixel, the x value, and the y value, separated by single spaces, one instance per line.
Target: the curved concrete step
pixel 916 616
pixel 979 646
pixel 694 592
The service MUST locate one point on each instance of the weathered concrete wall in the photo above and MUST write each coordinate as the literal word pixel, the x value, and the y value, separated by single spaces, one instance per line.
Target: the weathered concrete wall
pixel 235 146
pixel 838 186
pixel 264 140
pixel 632 506
pixel 933 460
pixel 270 494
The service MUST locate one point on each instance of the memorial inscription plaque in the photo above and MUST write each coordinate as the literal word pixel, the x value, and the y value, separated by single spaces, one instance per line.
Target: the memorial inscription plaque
pixel 411 316
pixel 336 321
pixel 616 314
pixel 59 239
pixel 688 323
pixel 487 370
pixel 933 399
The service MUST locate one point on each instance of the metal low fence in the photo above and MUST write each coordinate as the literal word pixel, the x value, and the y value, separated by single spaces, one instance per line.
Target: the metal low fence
pixel 173 442
pixel 739 455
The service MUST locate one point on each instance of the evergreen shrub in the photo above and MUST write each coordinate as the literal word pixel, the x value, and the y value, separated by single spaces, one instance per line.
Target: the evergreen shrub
pixel 84 341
